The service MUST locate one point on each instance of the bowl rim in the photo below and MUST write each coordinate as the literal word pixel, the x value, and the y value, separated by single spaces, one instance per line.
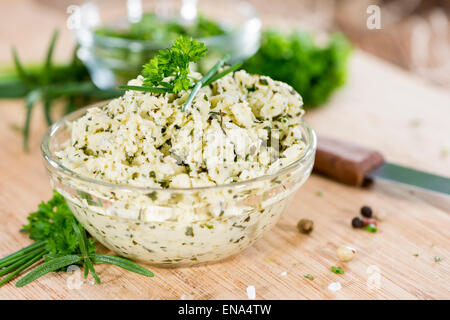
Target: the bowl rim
pixel 119 42
pixel 56 164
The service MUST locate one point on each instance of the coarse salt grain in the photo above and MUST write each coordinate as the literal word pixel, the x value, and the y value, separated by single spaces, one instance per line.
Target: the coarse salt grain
pixel 284 274
pixel 72 268
pixel 251 292
pixel 335 286
pixel 183 297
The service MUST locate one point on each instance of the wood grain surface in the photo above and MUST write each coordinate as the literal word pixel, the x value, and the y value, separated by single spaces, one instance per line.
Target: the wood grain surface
pixel 381 107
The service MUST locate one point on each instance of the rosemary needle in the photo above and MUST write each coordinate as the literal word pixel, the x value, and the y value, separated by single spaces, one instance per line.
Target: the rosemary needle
pixel 123 263
pixel 47 267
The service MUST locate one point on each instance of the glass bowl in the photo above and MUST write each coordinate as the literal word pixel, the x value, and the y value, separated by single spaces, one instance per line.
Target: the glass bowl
pixel 114 60
pixel 175 227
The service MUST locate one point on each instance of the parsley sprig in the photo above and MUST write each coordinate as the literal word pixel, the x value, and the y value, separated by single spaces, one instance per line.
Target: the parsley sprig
pixel 60 240
pixel 174 63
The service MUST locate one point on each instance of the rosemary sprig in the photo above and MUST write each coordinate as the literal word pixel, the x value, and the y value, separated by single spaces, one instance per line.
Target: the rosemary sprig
pixel 49 83
pixel 46 77
pixel 83 243
pixel 52 265
pixel 121 262
pixel 30 101
pixel 48 61
pixel 20 70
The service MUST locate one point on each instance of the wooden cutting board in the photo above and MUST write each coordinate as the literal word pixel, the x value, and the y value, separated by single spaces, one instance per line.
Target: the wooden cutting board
pixel 381 107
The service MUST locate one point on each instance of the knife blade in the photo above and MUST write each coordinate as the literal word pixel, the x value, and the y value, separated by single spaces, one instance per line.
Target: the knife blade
pixel 412 177
pixel 356 165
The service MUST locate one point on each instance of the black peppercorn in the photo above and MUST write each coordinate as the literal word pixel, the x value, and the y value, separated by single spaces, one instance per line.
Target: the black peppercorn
pixel 366 211
pixel 305 226
pixel 357 222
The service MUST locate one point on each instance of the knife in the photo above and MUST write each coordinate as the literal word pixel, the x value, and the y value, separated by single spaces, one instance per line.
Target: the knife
pixel 356 165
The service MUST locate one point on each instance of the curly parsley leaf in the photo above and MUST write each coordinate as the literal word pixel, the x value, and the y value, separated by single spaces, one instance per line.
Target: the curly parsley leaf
pixel 174 62
pixel 53 223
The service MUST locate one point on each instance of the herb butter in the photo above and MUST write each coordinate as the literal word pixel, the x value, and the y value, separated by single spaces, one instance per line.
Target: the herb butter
pixel 177 188
pixel 240 127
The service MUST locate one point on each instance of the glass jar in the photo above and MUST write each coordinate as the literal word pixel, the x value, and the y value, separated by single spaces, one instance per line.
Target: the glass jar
pixel 113 60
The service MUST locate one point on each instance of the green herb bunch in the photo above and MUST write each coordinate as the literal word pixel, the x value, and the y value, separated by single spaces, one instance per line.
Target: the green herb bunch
pixel 60 240
pixel 174 62
pixel 52 223
pixel 48 83
pixel 312 70
pixel 151 27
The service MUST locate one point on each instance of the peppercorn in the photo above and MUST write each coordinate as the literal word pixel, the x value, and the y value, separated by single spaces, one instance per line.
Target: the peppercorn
pixel 369 221
pixel 357 222
pixel 305 226
pixel 366 211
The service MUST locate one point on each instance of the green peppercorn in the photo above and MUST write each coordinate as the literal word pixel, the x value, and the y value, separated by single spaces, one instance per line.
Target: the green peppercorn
pixel 305 226
pixel 366 211
pixel 371 228
pixel 357 222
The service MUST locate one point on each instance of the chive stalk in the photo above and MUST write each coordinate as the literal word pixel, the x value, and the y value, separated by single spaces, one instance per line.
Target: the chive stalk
pixel 223 73
pixel 23 251
pixel 204 80
pixel 14 263
pixel 14 274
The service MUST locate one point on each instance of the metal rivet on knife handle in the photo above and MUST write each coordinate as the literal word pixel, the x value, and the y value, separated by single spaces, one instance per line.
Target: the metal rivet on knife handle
pixel 345 162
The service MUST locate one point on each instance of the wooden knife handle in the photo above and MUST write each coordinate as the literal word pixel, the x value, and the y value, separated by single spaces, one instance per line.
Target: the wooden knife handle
pixel 345 162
